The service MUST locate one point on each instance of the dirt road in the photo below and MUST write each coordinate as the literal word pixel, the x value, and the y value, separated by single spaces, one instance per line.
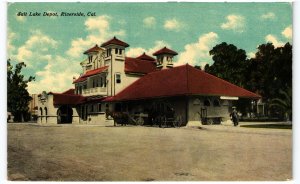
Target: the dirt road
pixel 92 153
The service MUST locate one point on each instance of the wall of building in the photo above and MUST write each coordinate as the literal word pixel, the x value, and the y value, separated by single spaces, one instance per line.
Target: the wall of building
pixel 47 112
pixel 47 103
pixel 213 111
pixel 32 104
pixel 96 118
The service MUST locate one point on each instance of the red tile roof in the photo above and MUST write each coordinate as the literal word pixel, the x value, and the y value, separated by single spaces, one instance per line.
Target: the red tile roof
pixel 69 91
pixel 178 81
pixel 134 65
pixel 144 56
pixel 67 99
pixel 90 73
pixel 93 49
pixel 165 50
pixel 115 41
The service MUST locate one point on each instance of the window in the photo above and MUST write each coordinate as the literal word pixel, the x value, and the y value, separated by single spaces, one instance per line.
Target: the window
pixel 118 78
pixel 99 107
pixel 92 108
pixel 46 112
pixel 90 58
pixel 196 102
pixel 96 83
pixel 206 102
pixel 120 51
pixel 108 52
pixel 116 51
pixel 76 90
pixel 101 82
pixel 216 103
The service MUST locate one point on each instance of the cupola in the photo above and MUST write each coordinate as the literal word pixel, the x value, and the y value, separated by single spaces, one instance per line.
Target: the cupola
pixel 164 58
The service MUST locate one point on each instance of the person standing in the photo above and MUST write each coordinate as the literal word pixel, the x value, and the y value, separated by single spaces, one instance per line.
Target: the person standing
pixel 234 117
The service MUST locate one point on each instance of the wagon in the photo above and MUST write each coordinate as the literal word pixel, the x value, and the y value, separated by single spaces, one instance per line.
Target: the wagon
pixel 163 115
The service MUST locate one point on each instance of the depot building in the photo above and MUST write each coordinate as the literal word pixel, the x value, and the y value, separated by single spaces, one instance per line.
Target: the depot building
pixel 144 88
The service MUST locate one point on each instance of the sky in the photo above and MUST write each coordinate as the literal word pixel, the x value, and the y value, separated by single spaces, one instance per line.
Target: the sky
pixel 52 47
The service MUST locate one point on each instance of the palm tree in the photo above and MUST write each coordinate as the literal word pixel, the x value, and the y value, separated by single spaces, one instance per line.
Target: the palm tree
pixel 284 103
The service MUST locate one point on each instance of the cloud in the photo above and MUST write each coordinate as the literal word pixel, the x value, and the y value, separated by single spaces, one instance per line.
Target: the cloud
pixel 235 23
pixel 10 47
pixel 273 39
pixel 251 54
pixel 99 31
pixel 57 73
pixel 149 22
pixel 173 25
pixel 288 32
pixel 122 22
pixel 56 76
pixel 198 53
pixel 269 15
pixel 36 49
pixel 53 72
pixel 137 51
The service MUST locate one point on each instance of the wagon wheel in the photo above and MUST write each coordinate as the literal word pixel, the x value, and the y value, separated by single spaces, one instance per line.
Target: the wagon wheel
pixel 155 121
pixel 178 121
pixel 140 121
pixel 209 121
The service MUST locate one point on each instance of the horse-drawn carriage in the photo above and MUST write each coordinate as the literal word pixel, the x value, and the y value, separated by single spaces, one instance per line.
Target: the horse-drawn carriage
pixel 160 114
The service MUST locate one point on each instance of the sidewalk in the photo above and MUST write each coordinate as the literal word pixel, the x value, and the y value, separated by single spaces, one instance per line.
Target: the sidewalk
pixel 241 129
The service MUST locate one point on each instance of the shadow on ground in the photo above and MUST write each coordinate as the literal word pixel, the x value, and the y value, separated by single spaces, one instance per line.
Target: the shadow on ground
pixel 273 126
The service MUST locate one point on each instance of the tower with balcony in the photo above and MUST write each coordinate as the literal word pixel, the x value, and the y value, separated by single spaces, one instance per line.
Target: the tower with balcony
pixel 93 80
pixel 115 60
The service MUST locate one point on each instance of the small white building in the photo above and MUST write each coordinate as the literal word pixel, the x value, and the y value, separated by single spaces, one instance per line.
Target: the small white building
pixel 112 82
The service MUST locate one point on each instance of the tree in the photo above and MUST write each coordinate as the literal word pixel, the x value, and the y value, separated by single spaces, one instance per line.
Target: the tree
pixel 17 95
pixel 269 73
pixel 270 70
pixel 229 63
pixel 284 103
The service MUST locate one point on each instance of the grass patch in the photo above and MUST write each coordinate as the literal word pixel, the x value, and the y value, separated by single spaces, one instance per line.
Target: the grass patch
pixel 273 126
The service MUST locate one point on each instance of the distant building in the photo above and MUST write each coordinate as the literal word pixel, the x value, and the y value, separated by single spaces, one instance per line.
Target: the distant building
pixel 112 82
pixel 33 106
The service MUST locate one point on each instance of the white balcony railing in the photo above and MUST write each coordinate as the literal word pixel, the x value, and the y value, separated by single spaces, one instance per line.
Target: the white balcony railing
pixel 94 91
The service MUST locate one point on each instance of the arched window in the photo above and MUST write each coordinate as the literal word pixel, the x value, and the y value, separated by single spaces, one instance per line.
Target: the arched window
pixel 46 111
pixel 216 103
pixel 206 102
pixel 196 102
pixel 41 111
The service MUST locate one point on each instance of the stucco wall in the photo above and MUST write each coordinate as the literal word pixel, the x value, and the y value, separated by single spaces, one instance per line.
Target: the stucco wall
pixel 96 118
pixel 51 116
pixel 197 103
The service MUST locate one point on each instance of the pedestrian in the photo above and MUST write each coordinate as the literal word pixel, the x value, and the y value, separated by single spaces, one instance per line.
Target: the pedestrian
pixel 234 116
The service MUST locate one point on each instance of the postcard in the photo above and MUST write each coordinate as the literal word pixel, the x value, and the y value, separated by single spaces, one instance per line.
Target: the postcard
pixel 156 91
